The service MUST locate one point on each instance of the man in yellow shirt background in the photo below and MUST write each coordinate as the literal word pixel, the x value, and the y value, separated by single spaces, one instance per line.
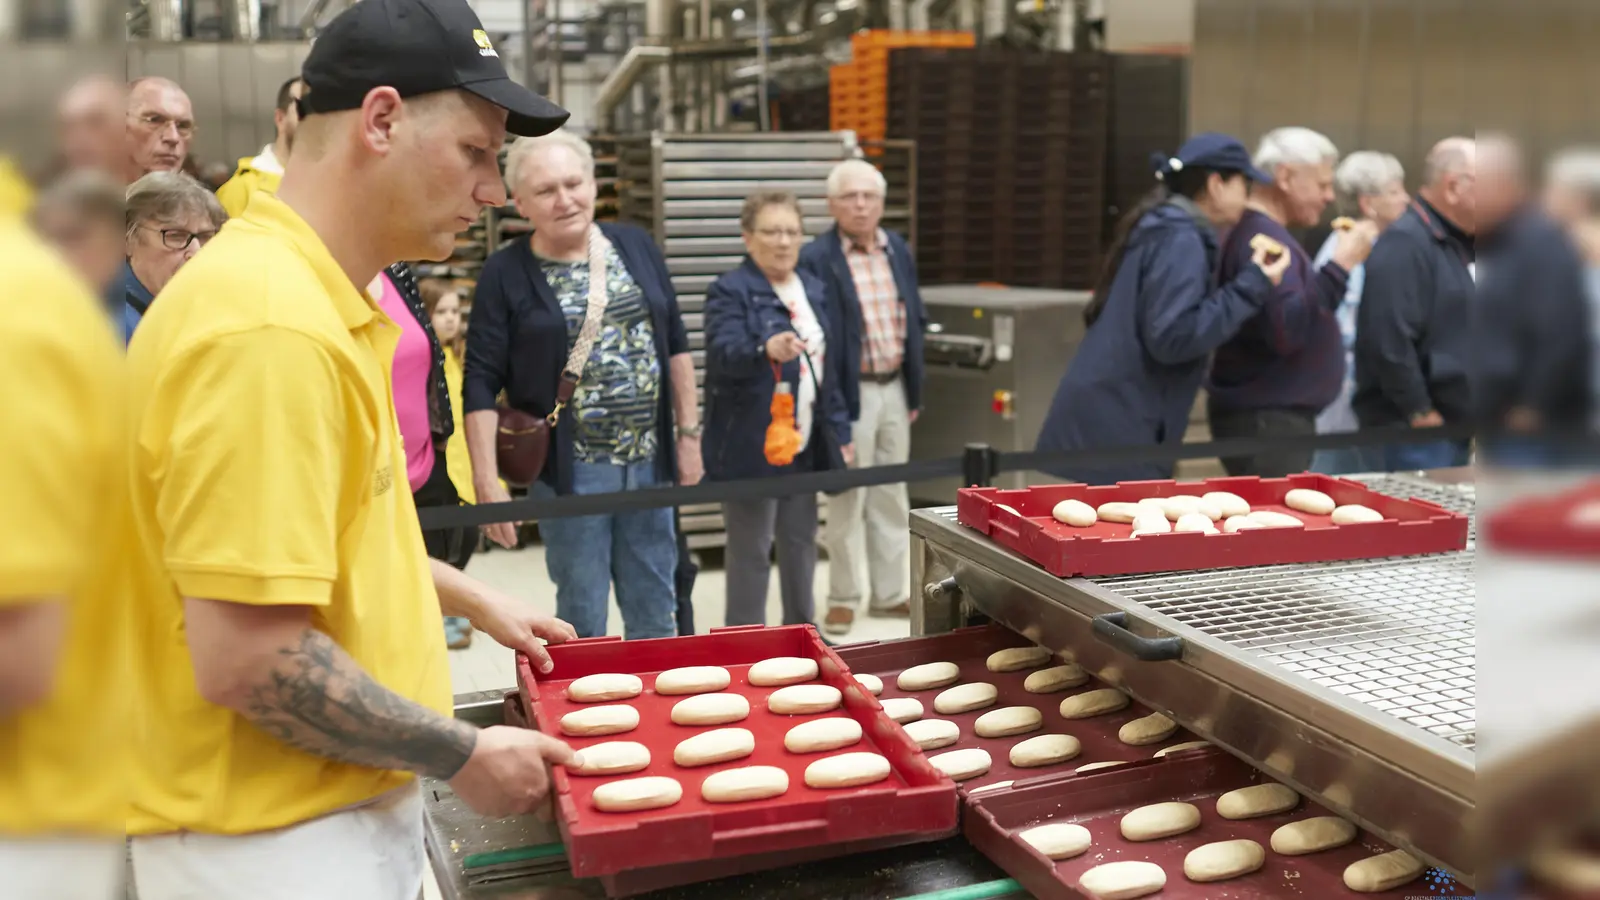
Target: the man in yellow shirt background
pixel 63 677
pixel 291 675
pixel 264 171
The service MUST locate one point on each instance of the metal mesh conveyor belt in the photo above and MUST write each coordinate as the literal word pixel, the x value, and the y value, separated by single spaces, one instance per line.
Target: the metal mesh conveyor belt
pixel 1396 634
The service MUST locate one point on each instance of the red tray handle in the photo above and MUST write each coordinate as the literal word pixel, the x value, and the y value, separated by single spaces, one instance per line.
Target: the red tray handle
pixel 764 838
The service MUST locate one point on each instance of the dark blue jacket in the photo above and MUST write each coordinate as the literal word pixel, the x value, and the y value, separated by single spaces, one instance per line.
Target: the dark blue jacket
pixel 824 258
pixel 1291 355
pixel 1531 330
pixel 518 342
pixel 136 300
pixel 1136 374
pixel 742 313
pixel 1413 328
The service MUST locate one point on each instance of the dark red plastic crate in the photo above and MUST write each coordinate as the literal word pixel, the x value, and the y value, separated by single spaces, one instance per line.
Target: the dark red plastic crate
pixel 1410 527
pixel 1100 800
pixel 915 802
pixel 1544 525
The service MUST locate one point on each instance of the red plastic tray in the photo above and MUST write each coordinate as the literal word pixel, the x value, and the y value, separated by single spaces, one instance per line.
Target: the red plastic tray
pixel 1099 801
pixel 1542 525
pixel 1410 527
pixel 969 648
pixel 916 800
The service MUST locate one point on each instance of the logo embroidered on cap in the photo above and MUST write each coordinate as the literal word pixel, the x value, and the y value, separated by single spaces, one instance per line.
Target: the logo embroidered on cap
pixel 485 46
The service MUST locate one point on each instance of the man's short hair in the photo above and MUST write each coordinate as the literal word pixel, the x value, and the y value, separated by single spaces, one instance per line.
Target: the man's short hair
pixel 1448 157
pixel 286 93
pixel 855 167
pixel 87 192
pixel 1293 146
pixel 165 196
pixel 1365 173
pixel 523 147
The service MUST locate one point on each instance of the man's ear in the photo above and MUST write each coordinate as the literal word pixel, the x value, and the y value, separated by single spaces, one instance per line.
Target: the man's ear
pixel 380 112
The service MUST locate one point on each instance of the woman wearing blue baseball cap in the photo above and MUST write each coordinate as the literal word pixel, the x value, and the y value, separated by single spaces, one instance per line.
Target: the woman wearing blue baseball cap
pixel 1158 313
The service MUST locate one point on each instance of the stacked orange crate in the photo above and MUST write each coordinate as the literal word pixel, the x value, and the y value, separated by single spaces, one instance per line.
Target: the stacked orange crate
pixel 858 91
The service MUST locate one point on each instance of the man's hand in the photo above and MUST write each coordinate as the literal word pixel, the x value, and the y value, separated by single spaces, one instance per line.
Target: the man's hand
pixel 508 772
pixel 784 346
pixel 691 467
pixel 911 417
pixel 1355 244
pixel 1273 269
pixel 1429 419
pixel 502 533
pixel 513 624
pixel 849 452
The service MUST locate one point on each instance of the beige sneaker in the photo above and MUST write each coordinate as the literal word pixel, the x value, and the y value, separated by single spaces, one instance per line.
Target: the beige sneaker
pixel 901 610
pixel 838 620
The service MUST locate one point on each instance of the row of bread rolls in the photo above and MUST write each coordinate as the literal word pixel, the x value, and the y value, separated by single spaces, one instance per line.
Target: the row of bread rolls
pixel 1188 513
pixel 1220 860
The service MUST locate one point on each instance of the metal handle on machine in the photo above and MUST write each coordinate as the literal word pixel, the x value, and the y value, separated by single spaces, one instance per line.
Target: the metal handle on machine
pixel 1112 628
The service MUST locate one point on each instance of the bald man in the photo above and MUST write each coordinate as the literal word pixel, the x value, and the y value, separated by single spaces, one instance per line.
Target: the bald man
pixel 1531 327
pixel 160 125
pixel 1412 344
pixel 90 128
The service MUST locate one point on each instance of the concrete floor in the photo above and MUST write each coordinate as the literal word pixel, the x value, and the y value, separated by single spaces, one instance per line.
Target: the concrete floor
pixel 488 666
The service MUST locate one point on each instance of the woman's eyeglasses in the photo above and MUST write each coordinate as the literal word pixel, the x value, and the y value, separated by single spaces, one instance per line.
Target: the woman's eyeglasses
pixel 179 239
pixel 777 234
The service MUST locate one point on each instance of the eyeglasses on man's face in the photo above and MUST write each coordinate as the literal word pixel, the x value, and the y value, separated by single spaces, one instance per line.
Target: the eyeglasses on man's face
pixel 780 234
pixel 156 122
pixel 180 239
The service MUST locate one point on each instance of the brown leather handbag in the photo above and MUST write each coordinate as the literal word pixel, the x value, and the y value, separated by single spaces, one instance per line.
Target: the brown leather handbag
pixel 522 441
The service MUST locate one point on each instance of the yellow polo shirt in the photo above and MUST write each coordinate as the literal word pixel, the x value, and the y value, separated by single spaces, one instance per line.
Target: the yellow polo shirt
pixel 266 469
pixel 62 769
pixel 247 180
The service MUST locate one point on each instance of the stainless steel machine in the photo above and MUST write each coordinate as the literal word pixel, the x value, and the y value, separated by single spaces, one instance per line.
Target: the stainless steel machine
pixel 1353 682
pixel 994 356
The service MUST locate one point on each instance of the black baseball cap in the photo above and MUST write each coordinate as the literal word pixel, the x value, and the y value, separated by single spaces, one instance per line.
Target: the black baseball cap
pixel 416 47
pixel 1210 150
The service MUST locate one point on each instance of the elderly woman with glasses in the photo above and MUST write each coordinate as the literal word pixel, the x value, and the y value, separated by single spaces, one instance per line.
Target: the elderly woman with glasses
pixel 768 333
pixel 170 217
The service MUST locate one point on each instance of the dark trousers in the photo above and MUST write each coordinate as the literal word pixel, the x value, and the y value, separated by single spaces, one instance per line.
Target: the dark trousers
pixel 454 545
pixel 1264 424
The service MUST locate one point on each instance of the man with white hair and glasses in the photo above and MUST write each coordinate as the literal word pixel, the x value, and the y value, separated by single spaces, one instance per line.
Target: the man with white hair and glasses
pixel 1372 188
pixel 872 284
pixel 1286 364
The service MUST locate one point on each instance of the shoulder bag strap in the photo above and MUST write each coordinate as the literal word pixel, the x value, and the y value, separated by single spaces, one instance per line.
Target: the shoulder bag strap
pixel 593 319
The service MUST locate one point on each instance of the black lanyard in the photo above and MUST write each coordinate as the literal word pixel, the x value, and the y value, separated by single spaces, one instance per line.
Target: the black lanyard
pixel 1439 231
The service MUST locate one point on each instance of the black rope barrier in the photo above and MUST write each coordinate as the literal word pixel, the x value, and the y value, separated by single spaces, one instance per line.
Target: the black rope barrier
pixel 977 466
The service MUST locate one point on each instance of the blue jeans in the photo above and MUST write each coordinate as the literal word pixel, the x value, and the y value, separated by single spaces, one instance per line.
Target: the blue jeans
pixel 1437 455
pixel 636 550
pixel 1347 461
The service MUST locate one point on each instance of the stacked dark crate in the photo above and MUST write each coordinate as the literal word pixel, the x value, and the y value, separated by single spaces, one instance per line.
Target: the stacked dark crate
pixel 1149 112
pixel 802 109
pixel 1011 152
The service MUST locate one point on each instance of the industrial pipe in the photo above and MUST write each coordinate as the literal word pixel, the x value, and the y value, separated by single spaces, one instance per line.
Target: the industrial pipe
pixel 621 79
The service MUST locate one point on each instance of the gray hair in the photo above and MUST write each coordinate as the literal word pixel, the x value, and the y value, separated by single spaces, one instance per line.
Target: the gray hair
pixel 523 147
pixel 88 193
pixel 1366 173
pixel 855 167
pixel 760 200
pixel 1293 146
pixel 168 196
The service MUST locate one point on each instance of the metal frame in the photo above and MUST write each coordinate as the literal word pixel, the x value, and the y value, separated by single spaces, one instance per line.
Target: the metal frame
pixel 1414 787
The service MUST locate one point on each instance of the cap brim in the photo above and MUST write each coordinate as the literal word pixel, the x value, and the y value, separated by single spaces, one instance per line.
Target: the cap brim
pixel 527 113
pixel 1258 176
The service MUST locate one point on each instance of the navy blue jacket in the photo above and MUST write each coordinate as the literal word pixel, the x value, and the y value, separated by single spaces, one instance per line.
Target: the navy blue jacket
pixel 1413 328
pixel 742 313
pixel 1291 355
pixel 135 302
pixel 1531 323
pixel 824 258
pixel 518 342
pixel 1136 374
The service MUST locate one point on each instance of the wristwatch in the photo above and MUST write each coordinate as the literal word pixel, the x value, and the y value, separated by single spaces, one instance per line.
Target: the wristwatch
pixel 690 432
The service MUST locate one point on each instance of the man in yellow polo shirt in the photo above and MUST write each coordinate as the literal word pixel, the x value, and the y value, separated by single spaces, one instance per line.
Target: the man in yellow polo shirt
pixel 291 674
pixel 264 171
pixel 63 769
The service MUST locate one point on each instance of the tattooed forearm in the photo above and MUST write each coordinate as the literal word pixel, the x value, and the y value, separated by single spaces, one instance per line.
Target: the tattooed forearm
pixel 317 699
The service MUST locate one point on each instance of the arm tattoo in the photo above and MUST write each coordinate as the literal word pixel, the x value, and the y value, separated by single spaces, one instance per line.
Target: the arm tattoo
pixel 317 699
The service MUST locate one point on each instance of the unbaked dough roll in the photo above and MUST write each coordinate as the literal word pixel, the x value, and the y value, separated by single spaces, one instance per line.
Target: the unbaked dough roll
pixel 1228 503
pixel 1383 872
pixel 634 794
pixel 1093 703
pixel 1256 801
pixel 1055 678
pixel 928 676
pixel 1152 729
pixel 1160 820
pixel 781 670
pixel 692 680
pixel 604 687
pixel 716 746
pixel 1014 658
pixel 748 783
pixel 822 734
pixel 931 734
pixel 966 698
pixel 1118 512
pixel 710 709
pixel 872 683
pixel 1076 513
pixel 1308 501
pixel 903 709
pixel 804 699
pixel 1045 750
pixel 612 758
pixel 1309 835
pixel 847 770
pixel 962 764
pixel 1222 860
pixel 1008 721
pixel 599 720
pixel 1123 880
pixel 1057 840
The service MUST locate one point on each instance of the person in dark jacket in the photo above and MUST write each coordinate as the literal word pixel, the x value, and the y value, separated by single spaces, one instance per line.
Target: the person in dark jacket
pixel 768 330
pixel 633 422
pixel 1158 313
pixel 1530 325
pixel 1287 363
pixel 871 279
pixel 1413 326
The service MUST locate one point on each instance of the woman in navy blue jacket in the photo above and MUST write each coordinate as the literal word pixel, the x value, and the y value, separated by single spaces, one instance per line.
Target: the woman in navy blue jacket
pixel 1158 313
pixel 767 324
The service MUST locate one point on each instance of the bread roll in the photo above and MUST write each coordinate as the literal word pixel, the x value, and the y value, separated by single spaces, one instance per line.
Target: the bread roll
pixel 634 794
pixel 1093 703
pixel 710 709
pixel 1076 513
pixel 692 680
pixel 847 770
pixel 1015 658
pixel 747 783
pixel 928 676
pixel 782 670
pixel 1055 678
pixel 1308 501
pixel 931 734
pixel 611 758
pixel 1355 513
pixel 965 698
pixel 1008 721
pixel 822 734
pixel 598 720
pixel 604 687
pixel 1160 820
pixel 716 746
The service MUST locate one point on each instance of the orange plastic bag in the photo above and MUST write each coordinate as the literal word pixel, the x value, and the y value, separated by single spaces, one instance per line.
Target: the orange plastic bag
pixel 783 437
